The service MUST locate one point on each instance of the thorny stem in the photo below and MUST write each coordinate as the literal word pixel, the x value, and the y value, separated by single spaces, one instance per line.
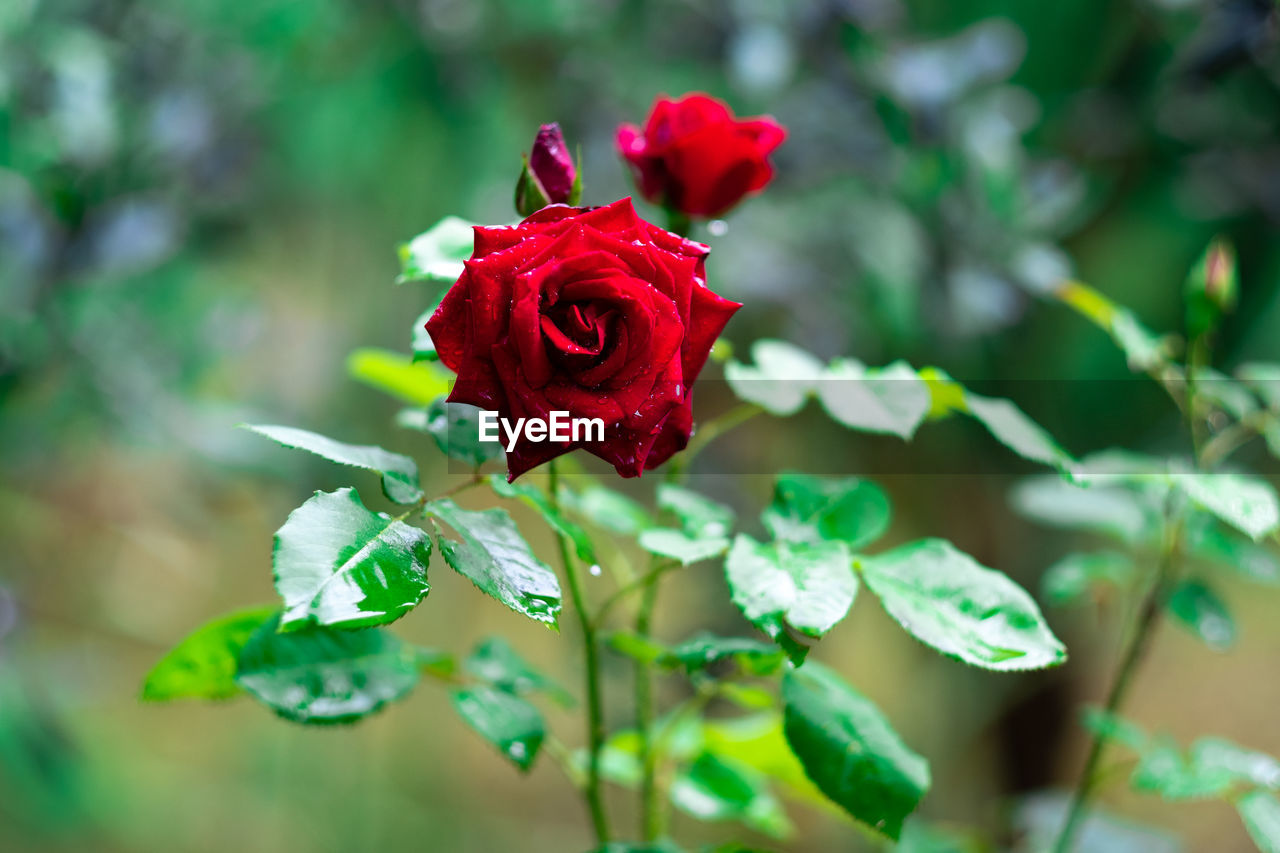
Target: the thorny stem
pixel 592 791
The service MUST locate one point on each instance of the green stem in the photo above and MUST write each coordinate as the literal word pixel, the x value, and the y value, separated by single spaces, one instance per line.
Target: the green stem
pixel 651 812
pixel 1148 617
pixel 593 790
pixel 678 223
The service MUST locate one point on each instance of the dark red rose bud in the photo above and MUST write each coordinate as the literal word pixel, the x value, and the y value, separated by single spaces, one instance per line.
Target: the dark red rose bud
pixel 552 166
pixel 696 158
pixel 548 176
pixel 589 311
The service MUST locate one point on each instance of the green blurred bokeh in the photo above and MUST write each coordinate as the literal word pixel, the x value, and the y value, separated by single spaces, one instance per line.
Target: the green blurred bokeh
pixel 199 208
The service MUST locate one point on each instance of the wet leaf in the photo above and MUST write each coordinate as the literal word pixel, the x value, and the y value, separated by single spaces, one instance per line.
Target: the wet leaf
pixel 807 587
pixel 494 556
pixel 892 399
pixel 682 547
pixel 1199 609
pixel 399 473
pixel 700 517
pixel 1247 504
pixel 1078 577
pixel 505 720
pixel 437 253
pixel 203 665
pixel 538 500
pixel 338 564
pixel 1260 812
pixel 781 379
pixel 814 509
pixel 850 751
pixel 496 662
pixel 945 599
pixel 321 675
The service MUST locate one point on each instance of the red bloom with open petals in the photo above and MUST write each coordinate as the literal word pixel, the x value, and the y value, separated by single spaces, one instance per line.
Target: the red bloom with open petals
pixel 695 157
pixel 590 311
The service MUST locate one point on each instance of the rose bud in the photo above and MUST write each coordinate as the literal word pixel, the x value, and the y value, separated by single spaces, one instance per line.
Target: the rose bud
pixel 1212 288
pixel 590 311
pixel 548 176
pixel 694 157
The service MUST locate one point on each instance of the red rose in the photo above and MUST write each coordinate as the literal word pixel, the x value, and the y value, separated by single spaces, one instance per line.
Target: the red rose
pixel 695 157
pixel 590 311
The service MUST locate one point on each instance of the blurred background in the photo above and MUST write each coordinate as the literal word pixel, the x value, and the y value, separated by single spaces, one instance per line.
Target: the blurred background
pixel 199 207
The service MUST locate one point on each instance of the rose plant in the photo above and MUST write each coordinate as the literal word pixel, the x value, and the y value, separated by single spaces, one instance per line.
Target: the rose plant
pixel 600 313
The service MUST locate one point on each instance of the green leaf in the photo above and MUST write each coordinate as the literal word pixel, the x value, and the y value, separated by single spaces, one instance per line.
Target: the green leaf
pixel 1214 767
pixel 319 675
pixel 1247 504
pixel 1246 766
pixel 609 509
pixel 945 599
pixel 850 751
pixel 636 647
pixel 505 720
pixel 891 399
pixel 1209 539
pixel 1264 379
pixel 646 847
pixel 1260 812
pixel 495 662
pixel 1113 511
pixel 809 587
pixel 338 564
pixel 700 517
pixel 1078 577
pixel 814 509
pixel 437 253
pixel 1163 770
pixel 494 557
pixel 919 837
pixel 705 650
pixel 781 380
pixel 680 546
pixel 713 789
pixel 534 497
pixel 1012 428
pixel 1200 610
pixel 203 665
pixel 1143 349
pixel 399 473
pixel 417 383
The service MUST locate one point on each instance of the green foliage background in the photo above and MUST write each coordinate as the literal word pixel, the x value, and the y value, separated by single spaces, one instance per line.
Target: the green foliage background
pixel 199 204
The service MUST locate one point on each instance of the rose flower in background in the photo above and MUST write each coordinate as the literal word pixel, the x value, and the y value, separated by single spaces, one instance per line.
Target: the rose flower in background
pixel 590 311
pixel 695 158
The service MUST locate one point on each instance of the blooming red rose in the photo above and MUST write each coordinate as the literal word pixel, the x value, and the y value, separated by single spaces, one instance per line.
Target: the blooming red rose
pixel 590 311
pixel 695 157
